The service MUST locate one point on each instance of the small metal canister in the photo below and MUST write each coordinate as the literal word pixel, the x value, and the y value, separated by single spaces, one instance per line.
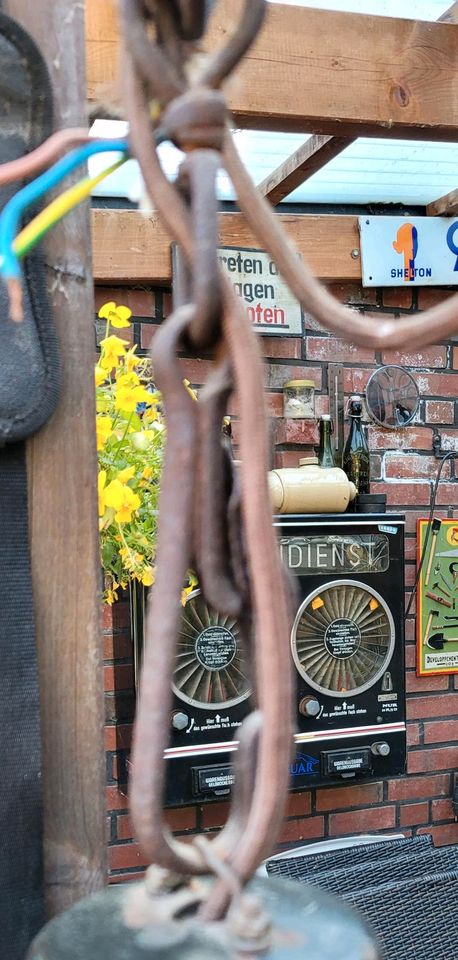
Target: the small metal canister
pixel 299 400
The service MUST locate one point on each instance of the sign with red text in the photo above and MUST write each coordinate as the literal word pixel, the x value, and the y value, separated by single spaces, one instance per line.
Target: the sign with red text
pixel 269 304
pixel 409 251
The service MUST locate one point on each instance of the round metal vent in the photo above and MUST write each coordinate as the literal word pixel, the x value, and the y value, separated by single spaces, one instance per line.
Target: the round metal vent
pixel 209 670
pixel 343 638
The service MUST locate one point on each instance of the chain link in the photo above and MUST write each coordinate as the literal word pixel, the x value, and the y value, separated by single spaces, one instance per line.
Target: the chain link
pixel 212 517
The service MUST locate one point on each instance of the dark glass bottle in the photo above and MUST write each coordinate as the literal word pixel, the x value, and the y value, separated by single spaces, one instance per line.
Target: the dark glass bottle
pixel 325 454
pixel 356 459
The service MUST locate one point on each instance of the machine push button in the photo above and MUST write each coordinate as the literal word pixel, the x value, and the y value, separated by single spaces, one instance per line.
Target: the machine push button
pixel 309 707
pixel 381 749
pixel 179 720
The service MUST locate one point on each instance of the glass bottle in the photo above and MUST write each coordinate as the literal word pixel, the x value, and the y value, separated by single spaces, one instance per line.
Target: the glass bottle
pixel 325 454
pixel 356 459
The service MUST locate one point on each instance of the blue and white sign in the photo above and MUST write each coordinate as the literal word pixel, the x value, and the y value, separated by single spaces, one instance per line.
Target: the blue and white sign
pixel 414 251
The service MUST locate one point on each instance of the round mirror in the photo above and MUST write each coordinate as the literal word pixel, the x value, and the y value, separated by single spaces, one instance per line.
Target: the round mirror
pixel 392 397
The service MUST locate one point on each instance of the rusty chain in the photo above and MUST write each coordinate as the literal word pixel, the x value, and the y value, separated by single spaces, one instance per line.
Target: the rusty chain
pixel 200 507
pixel 211 518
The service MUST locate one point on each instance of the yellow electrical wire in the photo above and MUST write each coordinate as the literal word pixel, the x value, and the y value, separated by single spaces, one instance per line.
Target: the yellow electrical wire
pixel 58 209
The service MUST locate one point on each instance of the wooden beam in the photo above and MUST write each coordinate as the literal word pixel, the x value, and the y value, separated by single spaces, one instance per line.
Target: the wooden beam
pixel 62 467
pixel 320 71
pixel 311 156
pixel 446 206
pixel 131 248
pixel 315 153
pixel 450 15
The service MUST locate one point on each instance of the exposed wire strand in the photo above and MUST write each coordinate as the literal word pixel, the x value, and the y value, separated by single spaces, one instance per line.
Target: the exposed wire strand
pixel 30 194
pixel 44 155
pixel 58 209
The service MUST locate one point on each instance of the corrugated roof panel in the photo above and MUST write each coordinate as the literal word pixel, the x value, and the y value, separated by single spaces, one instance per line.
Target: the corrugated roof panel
pixel 402 9
pixel 367 171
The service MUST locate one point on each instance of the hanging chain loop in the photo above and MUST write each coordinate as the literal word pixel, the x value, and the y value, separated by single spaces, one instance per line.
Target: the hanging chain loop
pixel 212 516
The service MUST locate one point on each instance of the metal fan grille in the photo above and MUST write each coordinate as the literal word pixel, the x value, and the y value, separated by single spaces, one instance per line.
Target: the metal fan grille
pixel 209 669
pixel 343 638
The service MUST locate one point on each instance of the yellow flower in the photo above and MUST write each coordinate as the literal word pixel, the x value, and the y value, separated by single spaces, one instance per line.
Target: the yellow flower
pixel 128 558
pixel 116 316
pixel 191 392
pixel 123 500
pixel 147 473
pixel 147 577
pixel 102 404
pixel 150 415
pixel 127 397
pixel 112 592
pixel 124 475
pixel 102 478
pixel 100 375
pixel 104 428
pixel 131 360
pixel 127 379
pixel 185 594
pixel 112 349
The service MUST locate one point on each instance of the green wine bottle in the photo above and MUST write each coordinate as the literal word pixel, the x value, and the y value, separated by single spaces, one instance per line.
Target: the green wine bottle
pixel 356 458
pixel 325 454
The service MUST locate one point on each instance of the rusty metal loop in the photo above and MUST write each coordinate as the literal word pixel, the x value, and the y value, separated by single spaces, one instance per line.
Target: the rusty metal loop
pixel 195 119
pixel 192 18
pixel 201 166
pixel 224 61
pixel 201 502
pixel 151 63
pixel 217 866
pixel 163 614
pixel 244 765
pixel 213 490
pixel 166 18
pixel 273 677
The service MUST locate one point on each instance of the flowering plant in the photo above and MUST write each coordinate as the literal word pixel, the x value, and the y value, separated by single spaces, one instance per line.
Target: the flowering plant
pixel 130 441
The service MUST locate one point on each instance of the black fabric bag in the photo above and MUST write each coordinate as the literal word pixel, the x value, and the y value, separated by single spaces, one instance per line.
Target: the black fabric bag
pixel 28 394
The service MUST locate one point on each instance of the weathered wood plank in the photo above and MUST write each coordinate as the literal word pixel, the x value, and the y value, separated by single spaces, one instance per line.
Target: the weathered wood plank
pixel 446 206
pixel 63 519
pixel 450 15
pixel 301 165
pixel 315 153
pixel 129 247
pixel 325 72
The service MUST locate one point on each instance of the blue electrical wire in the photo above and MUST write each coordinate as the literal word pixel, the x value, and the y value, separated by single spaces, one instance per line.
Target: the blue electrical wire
pixel 14 209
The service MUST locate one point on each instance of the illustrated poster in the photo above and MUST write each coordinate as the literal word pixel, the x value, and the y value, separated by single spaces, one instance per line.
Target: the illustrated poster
pixel 437 597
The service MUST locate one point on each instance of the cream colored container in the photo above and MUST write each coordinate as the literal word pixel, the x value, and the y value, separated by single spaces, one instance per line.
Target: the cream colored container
pixel 310 488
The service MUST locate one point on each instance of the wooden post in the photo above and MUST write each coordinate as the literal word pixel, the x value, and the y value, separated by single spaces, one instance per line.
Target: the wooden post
pixel 63 517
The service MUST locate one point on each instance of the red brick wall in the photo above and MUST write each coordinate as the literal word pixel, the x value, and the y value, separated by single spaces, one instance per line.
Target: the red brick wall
pixel 420 802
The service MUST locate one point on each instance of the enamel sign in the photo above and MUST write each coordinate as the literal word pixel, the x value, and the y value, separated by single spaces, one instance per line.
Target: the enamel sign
pixel 269 304
pixel 414 251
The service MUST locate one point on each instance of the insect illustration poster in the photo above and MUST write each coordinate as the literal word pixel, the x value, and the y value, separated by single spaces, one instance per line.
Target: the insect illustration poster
pixel 437 597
